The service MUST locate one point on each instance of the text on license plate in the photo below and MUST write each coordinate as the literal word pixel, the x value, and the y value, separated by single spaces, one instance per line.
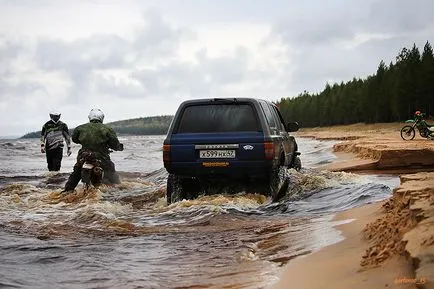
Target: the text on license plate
pixel 209 154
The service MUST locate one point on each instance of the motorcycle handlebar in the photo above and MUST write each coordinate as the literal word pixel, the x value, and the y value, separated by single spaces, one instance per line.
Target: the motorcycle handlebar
pixel 120 148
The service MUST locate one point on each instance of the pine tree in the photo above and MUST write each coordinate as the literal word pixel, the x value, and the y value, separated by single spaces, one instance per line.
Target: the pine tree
pixel 427 79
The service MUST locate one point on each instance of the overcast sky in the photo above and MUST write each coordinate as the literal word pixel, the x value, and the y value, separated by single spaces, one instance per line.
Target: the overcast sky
pixel 135 58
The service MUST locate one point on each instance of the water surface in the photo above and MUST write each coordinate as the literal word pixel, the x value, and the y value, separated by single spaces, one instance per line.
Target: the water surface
pixel 127 237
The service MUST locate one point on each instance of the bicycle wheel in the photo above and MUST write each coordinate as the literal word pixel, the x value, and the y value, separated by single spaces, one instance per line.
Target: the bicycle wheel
pixel 407 132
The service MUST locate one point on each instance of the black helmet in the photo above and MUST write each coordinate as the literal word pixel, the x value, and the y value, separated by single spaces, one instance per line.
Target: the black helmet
pixel 55 116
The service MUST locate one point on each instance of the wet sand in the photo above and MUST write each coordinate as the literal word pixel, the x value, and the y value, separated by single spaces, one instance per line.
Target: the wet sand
pixel 389 244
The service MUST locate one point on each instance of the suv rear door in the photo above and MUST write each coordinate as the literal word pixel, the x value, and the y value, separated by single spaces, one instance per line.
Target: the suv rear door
pixel 222 130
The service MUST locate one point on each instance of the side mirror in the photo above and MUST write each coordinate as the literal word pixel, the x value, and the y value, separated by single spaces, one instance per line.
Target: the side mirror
pixel 292 126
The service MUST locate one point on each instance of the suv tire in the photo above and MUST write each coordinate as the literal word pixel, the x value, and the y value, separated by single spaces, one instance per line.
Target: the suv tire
pixel 278 183
pixel 297 163
pixel 179 189
pixel 175 190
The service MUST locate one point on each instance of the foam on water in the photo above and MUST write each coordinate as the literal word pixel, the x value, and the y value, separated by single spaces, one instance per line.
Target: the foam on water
pixel 129 237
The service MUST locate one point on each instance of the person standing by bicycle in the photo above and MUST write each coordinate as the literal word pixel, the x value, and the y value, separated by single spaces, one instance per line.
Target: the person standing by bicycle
pixel 97 138
pixel 53 133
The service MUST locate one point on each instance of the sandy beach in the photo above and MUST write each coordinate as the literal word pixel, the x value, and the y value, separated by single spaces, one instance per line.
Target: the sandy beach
pixel 389 244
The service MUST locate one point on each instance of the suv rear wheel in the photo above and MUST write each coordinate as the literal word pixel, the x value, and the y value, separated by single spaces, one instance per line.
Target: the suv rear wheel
pixel 278 183
pixel 296 164
pixel 179 189
pixel 174 190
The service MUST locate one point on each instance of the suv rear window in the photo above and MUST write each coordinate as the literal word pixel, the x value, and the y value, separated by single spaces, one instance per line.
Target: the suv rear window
pixel 209 118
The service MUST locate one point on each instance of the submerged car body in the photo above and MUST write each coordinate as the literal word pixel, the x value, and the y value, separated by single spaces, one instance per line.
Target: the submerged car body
pixel 225 139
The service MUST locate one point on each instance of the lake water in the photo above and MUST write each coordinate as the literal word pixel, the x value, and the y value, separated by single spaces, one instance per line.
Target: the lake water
pixel 127 237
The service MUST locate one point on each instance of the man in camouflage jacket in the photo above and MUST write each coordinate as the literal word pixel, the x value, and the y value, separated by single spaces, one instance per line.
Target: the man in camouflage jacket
pixel 52 135
pixel 97 138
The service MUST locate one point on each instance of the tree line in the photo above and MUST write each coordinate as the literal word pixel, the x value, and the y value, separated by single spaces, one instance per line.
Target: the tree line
pixel 151 125
pixel 392 94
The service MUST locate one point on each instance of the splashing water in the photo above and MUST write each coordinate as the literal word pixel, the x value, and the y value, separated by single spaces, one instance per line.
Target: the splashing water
pixel 127 236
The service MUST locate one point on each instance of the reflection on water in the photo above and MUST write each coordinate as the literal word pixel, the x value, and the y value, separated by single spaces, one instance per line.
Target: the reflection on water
pixel 125 236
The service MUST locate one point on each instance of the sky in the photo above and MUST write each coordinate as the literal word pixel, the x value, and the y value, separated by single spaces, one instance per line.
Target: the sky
pixel 137 58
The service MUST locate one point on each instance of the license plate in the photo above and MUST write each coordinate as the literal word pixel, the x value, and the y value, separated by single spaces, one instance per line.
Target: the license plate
pixel 217 154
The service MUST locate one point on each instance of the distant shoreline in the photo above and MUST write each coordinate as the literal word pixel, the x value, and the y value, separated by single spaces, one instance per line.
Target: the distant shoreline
pixel 119 135
pixel 151 125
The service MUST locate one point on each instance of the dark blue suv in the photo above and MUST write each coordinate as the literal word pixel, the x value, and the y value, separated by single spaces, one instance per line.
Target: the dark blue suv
pixel 228 141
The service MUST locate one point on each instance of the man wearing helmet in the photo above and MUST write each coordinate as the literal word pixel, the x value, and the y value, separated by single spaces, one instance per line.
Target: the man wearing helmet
pixel 99 138
pixel 52 135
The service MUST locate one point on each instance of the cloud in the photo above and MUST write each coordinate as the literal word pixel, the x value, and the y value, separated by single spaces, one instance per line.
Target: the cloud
pixel 52 72
pixel 302 31
pixel 79 59
pixel 86 61
pixel 204 77
pixel 157 61
pixel 134 60
pixel 96 52
pixel 157 37
pixel 399 16
pixel 11 63
pixel 349 39
pixel 9 52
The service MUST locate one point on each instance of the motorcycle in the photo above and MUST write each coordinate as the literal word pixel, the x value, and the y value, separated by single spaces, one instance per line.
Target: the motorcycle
pixel 408 132
pixel 92 173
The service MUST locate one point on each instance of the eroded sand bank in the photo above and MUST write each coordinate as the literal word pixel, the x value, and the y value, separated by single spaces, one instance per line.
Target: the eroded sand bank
pixel 389 244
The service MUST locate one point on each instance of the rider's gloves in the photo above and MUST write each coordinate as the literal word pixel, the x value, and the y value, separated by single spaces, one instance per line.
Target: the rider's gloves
pixel 42 149
pixel 69 151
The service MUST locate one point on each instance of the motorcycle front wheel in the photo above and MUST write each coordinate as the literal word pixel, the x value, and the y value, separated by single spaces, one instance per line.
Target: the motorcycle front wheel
pixel 407 132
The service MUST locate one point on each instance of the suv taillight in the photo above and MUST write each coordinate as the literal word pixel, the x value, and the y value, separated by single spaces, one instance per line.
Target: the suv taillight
pixel 166 153
pixel 268 150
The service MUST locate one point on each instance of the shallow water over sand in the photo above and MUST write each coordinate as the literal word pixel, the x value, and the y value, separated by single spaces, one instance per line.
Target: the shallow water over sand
pixel 127 237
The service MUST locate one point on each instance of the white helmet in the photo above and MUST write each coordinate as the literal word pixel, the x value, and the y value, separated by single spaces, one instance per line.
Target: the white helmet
pixel 96 114
pixel 55 116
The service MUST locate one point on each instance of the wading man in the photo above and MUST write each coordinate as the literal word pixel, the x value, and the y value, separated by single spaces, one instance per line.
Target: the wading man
pixel 53 133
